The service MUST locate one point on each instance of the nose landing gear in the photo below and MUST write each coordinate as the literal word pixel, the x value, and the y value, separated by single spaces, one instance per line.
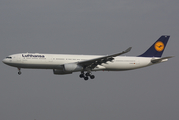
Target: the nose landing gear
pixel 19 69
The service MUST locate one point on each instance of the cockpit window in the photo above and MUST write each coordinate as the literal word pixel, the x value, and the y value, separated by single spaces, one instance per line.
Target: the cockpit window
pixel 9 57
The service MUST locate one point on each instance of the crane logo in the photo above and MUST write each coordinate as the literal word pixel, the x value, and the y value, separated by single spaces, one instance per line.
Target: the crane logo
pixel 159 46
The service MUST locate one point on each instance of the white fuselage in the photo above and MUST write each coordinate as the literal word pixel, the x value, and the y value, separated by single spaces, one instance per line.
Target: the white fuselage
pixel 62 64
pixel 55 61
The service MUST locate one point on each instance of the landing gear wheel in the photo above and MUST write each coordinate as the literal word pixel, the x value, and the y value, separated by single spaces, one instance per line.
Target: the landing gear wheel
pixel 85 78
pixel 81 75
pixel 92 76
pixel 87 74
pixel 19 71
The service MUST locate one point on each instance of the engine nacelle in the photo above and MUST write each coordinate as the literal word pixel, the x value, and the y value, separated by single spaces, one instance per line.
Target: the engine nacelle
pixel 71 67
pixel 67 69
pixel 60 72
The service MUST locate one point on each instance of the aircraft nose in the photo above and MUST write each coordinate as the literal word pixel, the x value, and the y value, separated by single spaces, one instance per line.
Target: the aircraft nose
pixel 4 60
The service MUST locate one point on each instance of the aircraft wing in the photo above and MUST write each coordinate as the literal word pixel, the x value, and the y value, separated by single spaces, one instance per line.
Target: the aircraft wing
pixel 92 63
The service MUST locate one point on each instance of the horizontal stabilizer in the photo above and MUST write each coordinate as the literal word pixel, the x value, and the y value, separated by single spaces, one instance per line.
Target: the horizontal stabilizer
pixel 161 59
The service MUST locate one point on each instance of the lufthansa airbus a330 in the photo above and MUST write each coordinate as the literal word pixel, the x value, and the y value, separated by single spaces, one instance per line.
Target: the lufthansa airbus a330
pixel 67 63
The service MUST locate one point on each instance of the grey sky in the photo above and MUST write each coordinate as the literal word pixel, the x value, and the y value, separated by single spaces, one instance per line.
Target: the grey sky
pixel 89 27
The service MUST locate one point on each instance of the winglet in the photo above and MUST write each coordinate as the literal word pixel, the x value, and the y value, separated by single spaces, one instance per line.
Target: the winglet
pixel 127 50
pixel 123 52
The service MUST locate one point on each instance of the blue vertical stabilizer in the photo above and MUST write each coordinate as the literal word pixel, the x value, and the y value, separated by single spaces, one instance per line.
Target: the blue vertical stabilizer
pixel 156 50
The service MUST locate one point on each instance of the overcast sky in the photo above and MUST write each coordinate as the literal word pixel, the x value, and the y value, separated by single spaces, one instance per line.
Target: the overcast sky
pixel 89 27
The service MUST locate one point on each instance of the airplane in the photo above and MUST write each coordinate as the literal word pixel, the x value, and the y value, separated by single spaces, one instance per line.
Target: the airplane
pixel 63 64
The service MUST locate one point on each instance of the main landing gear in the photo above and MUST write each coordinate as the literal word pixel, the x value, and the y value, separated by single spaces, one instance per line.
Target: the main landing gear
pixel 86 76
pixel 19 69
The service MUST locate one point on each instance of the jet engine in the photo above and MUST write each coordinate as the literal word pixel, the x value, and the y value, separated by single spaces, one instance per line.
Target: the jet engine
pixel 67 69
pixel 60 72
pixel 71 67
